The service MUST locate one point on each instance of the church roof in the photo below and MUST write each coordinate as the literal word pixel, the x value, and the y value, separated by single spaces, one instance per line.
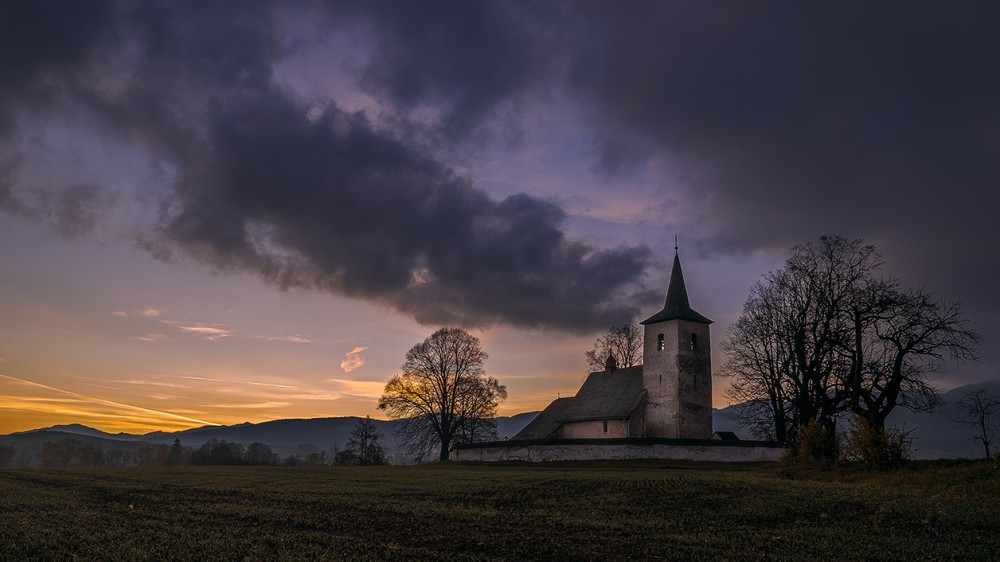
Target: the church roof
pixel 605 395
pixel 546 422
pixel 676 306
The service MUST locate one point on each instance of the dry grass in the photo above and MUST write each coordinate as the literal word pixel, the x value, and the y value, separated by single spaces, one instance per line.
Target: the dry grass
pixel 650 510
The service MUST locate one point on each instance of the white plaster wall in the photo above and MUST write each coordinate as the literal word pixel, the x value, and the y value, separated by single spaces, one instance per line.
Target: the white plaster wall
pixel 594 429
pixel 586 452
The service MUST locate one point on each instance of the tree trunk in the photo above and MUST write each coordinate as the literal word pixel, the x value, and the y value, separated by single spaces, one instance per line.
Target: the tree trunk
pixel 445 449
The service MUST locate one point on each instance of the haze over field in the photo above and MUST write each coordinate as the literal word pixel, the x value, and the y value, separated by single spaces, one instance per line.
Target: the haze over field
pixel 215 212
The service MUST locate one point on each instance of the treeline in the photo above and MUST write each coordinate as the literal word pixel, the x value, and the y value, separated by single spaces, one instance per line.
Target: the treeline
pixel 70 452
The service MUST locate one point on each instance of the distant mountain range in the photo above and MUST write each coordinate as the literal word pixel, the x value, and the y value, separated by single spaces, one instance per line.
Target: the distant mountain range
pixel 935 435
pixel 285 437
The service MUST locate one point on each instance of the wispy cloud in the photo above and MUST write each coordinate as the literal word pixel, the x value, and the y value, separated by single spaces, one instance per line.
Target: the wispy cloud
pixel 148 382
pixel 247 405
pixel 210 333
pixel 366 389
pixel 151 337
pixel 353 360
pixel 84 405
pixel 233 381
pixel 314 396
pixel 289 339
pixel 148 312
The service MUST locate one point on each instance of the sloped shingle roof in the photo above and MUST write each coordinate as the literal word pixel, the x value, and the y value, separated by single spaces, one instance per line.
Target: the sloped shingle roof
pixel 546 422
pixel 606 396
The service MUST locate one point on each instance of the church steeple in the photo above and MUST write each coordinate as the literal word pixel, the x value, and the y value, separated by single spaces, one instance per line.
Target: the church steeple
pixel 676 305
pixel 677 366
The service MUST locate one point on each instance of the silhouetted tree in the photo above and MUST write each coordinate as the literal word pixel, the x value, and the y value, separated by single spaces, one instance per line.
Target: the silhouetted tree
pixel 218 453
pixel 443 395
pixel 624 343
pixel 826 334
pixel 981 412
pixel 176 455
pixel 114 457
pixel 364 445
pixel 318 458
pixel 70 452
pixel 260 454
pixel 7 455
pixel 51 455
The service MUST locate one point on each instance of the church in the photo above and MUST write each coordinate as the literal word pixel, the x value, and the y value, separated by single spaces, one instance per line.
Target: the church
pixel 668 396
pixel 661 409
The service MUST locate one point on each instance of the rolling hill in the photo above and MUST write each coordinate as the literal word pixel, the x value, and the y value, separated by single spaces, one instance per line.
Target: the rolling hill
pixel 935 435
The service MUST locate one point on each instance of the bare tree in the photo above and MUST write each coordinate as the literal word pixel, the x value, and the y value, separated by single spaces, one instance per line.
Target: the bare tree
pixel 905 337
pixel 826 334
pixel 443 396
pixel 624 343
pixel 758 362
pixel 981 411
pixel 784 351
pixel 364 445
pixel 7 454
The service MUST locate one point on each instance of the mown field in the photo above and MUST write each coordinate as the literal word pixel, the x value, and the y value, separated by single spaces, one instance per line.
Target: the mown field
pixel 634 511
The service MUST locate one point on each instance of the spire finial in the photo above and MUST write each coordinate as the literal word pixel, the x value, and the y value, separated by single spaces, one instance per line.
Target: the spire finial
pixel 675 243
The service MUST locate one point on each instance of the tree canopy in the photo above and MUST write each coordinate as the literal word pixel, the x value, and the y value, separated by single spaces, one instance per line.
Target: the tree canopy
pixel 623 343
pixel 364 445
pixel 826 334
pixel 443 397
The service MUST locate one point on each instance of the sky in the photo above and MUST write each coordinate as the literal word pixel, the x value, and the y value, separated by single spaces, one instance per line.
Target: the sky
pixel 218 212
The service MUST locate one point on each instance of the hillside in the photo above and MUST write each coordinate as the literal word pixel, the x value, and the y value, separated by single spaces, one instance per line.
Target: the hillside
pixel 935 435
pixel 285 437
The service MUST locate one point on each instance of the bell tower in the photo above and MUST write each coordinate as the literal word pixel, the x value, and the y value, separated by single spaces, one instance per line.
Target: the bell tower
pixel 677 366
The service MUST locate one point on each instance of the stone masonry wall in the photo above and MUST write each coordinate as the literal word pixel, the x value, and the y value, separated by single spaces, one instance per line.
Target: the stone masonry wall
pixel 565 451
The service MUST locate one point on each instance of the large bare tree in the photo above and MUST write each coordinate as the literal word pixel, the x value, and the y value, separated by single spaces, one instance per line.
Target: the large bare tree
pixel 826 334
pixel 624 343
pixel 443 397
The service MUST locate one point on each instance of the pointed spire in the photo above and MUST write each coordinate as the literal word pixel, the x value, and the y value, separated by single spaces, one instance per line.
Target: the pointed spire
pixel 676 305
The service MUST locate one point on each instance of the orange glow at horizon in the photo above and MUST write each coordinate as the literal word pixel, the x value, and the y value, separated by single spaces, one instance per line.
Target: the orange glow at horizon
pixel 49 405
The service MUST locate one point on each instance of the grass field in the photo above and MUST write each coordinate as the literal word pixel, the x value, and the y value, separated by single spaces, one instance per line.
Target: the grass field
pixel 434 512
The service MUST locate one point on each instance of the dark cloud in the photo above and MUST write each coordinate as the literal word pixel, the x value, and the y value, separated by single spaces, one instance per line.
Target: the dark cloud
pixel 45 49
pixel 327 200
pixel 849 116
pixel 465 59
pixel 877 120
pixel 74 211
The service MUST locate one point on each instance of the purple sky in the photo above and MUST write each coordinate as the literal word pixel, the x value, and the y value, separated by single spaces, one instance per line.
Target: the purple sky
pixel 214 212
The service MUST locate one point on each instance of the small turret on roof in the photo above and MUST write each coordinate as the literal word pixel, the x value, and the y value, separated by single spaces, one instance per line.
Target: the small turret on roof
pixel 676 306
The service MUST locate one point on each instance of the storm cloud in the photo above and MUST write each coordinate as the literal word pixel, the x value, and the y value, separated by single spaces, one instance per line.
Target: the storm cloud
pixel 315 196
pixel 786 122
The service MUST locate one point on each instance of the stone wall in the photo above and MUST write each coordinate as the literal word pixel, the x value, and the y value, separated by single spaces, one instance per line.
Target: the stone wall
pixel 620 449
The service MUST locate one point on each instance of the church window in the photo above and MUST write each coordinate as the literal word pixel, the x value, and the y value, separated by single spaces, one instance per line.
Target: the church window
pixel 605 426
pixel 694 342
pixel 659 342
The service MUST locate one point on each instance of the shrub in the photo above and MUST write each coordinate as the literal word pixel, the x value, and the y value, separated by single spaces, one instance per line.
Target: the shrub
pixel 877 448
pixel 815 444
